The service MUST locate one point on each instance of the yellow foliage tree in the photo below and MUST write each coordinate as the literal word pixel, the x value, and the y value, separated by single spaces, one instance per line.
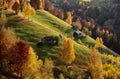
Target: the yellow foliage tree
pixel 47 69
pixel 77 24
pixel 61 76
pixel 5 4
pixel 3 18
pixel 42 4
pixel 68 54
pixel 69 18
pixel 99 42
pixel 96 67
pixel 32 66
pixel 28 10
pixel 11 3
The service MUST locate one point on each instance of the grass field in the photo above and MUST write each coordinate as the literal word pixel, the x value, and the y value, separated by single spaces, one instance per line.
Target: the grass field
pixel 44 24
pixel 33 31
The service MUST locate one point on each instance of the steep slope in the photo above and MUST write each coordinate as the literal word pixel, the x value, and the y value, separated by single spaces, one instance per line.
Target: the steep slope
pixel 33 31
pixel 47 19
pixel 44 24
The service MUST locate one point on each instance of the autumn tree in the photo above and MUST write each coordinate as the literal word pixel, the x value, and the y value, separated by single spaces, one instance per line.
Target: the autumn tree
pixel 5 4
pixel 61 14
pixel 17 58
pixel 86 31
pixel 69 17
pixel 96 67
pixel 99 42
pixel 16 7
pixel 32 66
pixel 28 10
pixel 10 3
pixel 3 18
pixel 61 76
pixel 68 54
pixel 77 24
pixel 47 69
pixel 7 40
pixel 41 4
pixel 1 3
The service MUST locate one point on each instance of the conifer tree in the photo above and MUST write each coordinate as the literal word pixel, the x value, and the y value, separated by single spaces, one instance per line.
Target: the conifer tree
pixel 68 54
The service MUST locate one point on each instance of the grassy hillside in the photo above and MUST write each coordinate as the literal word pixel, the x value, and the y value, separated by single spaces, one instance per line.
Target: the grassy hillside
pixel 47 19
pixel 33 31
pixel 44 24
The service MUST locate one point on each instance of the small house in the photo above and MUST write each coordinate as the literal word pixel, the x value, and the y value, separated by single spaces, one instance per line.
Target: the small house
pixel 77 33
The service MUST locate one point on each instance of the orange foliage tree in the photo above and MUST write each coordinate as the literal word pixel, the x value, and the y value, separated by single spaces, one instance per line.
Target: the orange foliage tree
pixel 69 18
pixel 96 67
pixel 17 58
pixel 16 7
pixel 41 4
pixel 7 40
pixel 68 54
